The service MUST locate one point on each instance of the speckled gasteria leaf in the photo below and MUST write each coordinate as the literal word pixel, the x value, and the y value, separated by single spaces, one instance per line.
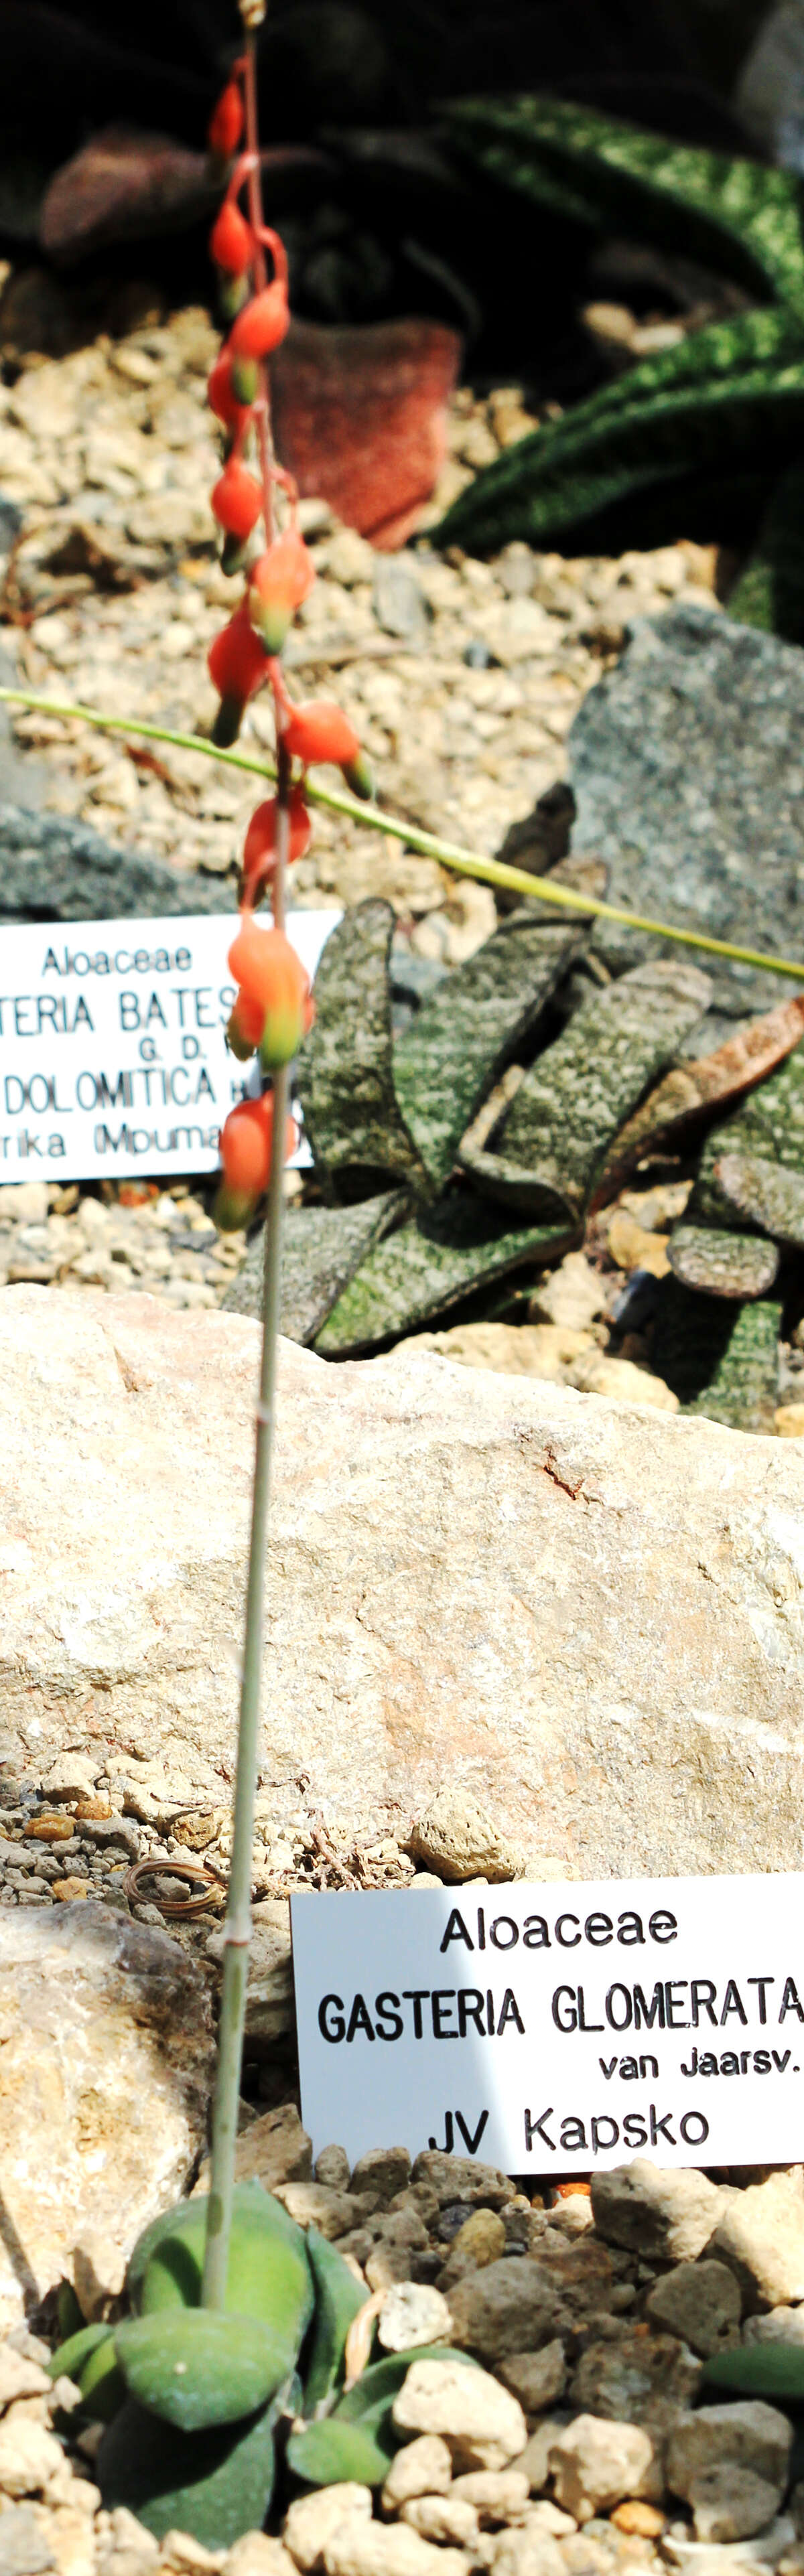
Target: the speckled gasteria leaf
pixel 577 1094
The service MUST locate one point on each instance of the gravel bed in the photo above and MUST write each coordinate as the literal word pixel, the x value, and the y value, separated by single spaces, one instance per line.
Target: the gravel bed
pixel 584 2442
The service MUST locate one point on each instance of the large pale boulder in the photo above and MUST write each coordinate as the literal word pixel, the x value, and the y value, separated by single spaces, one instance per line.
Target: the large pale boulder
pixel 590 1615
pixel 106 2073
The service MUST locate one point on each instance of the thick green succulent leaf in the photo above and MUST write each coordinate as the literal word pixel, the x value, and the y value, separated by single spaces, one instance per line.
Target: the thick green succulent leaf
pixel 70 2358
pixel 770 590
pixel 69 2314
pixel 269 2277
pixel 358 2439
pixel 720 1359
pixel 720 416
pixel 725 1265
pixel 766 2370
pixel 88 2358
pixel 446 1253
pixel 575 1096
pixel 328 2452
pixel 345 1068
pixel 472 1026
pixel 198 2366
pixel 338 2296
pixel 215 2484
pixel 735 216
pixel 767 1193
pixel 767 1128
pixel 322 1247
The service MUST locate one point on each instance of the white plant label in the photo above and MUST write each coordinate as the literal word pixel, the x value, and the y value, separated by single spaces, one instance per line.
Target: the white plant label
pixel 113 1058
pixel 557 2028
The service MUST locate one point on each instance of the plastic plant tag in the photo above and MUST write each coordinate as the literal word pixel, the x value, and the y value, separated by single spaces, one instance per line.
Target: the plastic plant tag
pixel 557 2027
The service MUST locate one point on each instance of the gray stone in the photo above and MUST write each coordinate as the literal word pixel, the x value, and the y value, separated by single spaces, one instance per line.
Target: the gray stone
pixel 412 1501
pixel 651 2211
pixel 759 2233
pixel 503 2308
pixel 635 2379
pixel 383 2170
pixel 700 2302
pixel 753 2435
pixel 536 2378
pixel 332 2168
pixel 94 2140
pixel 400 606
pixel 685 762
pixel 52 869
pixel 731 2503
pixel 462 2178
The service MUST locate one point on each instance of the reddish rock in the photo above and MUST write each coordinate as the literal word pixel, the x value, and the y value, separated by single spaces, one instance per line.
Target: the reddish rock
pixel 121 183
pixel 360 418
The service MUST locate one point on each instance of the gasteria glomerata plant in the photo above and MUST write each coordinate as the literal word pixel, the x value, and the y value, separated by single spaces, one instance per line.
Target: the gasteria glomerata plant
pixel 237 2318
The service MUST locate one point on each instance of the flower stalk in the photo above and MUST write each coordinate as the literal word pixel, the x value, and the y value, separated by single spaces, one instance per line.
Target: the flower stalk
pixel 273 1007
pixel 396 827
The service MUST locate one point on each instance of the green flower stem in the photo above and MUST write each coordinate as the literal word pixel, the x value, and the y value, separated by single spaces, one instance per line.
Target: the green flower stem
pixel 237 1931
pixel 238 1918
pixel 449 854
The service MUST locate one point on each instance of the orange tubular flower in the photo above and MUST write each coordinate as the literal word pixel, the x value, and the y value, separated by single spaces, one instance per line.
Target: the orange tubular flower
pixel 319 730
pixel 231 240
pixel 259 851
pixel 237 665
pixel 222 398
pixel 245 1027
pixel 226 123
pixel 262 323
pixel 237 500
pixel 268 971
pixel 246 1147
pixel 277 586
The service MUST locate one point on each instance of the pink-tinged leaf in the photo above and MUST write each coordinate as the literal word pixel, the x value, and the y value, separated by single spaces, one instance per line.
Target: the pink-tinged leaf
pixel 692 1089
pixel 360 418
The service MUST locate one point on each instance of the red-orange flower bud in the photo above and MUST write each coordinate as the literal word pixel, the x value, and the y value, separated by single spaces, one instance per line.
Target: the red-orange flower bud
pixel 226 123
pixel 237 500
pixel 222 398
pixel 259 852
pixel 246 1146
pixel 319 730
pixel 268 971
pixel 277 585
pixel 262 323
pixel 236 664
pixel 244 1028
pixel 231 240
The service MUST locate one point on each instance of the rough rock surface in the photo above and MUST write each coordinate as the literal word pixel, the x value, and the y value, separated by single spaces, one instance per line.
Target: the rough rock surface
pixel 686 768
pixel 478 1570
pixel 56 870
pixel 107 2064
